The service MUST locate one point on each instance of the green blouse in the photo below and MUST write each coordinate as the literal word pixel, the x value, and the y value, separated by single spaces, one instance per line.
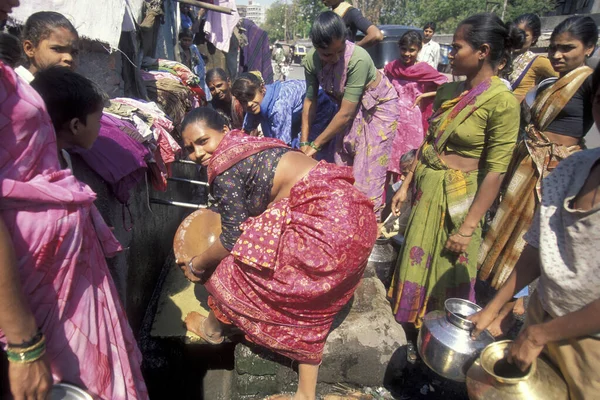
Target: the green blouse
pixel 491 131
pixel 361 72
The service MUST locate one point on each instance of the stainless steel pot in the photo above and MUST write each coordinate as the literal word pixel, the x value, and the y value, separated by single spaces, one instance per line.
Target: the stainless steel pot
pixel 445 342
pixel 382 260
pixel 65 391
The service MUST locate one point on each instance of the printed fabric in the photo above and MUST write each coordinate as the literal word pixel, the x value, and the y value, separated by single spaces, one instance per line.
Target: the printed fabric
pixel 60 241
pixel 297 264
pixel 366 145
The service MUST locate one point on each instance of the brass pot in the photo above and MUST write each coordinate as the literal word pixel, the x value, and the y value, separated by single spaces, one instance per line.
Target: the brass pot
pixel 491 377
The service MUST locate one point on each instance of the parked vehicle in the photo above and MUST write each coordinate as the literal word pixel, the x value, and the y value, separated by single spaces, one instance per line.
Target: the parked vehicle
pixel 387 50
pixel 299 53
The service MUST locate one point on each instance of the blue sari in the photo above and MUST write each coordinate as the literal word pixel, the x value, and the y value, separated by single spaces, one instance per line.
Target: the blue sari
pixel 281 115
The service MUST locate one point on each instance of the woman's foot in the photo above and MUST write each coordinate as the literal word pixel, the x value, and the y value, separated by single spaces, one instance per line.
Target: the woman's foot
pixel 503 322
pixel 201 326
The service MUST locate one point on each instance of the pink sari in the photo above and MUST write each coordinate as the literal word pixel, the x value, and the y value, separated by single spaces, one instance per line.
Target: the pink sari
pixel 410 82
pixel 60 241
pixel 296 264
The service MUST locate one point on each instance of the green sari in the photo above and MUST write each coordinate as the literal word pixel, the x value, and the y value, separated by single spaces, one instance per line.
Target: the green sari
pixel 427 273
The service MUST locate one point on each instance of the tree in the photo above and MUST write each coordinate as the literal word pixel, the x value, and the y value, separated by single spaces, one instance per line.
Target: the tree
pixel 275 21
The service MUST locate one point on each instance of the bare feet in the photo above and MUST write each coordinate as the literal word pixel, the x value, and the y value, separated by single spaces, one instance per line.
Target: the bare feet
pixel 200 325
pixel 503 322
pixel 519 308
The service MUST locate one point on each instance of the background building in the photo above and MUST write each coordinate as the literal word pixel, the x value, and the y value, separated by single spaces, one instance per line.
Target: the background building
pixel 253 11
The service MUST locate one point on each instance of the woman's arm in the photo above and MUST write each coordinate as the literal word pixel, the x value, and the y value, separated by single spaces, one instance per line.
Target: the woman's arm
pixel 372 36
pixel 344 117
pixel 423 96
pixel 402 193
pixel 485 197
pixel 32 380
pixel 530 342
pixel 526 271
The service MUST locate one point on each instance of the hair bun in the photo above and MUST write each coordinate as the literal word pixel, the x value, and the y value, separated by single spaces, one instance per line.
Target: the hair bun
pixel 515 37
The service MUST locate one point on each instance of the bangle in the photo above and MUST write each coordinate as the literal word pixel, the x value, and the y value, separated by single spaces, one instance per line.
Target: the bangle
pixel 28 343
pixel 29 354
pixel 314 146
pixel 191 265
pixel 462 235
pixel 302 144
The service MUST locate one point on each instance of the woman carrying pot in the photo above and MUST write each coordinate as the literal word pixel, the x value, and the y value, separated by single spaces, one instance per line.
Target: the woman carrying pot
pixel 296 236
pixel 367 120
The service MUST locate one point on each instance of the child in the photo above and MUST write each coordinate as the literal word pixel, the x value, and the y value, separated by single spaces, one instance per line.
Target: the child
pixel 188 54
pixel 74 103
pixel 405 162
pixel 48 39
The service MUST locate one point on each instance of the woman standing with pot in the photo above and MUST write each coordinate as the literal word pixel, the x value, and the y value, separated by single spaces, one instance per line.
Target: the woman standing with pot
pixel 561 115
pixel 529 68
pixel 367 119
pixel 457 173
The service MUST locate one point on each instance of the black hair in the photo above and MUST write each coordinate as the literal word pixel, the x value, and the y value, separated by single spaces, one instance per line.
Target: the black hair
pixel 595 82
pixel 10 49
pixel 327 27
pixel 216 73
pixel 488 28
pixel 211 118
pixel 185 33
pixel 583 28
pixel 40 25
pixel 245 87
pixel 68 95
pixel 532 22
pixel 430 25
pixel 410 38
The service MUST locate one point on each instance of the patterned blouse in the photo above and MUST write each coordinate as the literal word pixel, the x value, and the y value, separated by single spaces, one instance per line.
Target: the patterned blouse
pixel 244 191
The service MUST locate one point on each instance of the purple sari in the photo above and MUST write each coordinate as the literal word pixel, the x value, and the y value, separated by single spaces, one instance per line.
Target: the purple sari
pixel 366 145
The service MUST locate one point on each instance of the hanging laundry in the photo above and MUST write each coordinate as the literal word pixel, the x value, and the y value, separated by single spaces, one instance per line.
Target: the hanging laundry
pixel 256 55
pixel 219 26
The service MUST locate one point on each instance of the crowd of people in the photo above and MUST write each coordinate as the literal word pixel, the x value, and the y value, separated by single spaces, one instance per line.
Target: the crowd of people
pixel 501 190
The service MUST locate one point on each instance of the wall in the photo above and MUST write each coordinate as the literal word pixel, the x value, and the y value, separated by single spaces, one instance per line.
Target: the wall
pixel 149 242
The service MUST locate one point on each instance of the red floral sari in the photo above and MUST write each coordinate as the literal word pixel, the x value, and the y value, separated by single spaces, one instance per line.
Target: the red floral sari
pixel 298 263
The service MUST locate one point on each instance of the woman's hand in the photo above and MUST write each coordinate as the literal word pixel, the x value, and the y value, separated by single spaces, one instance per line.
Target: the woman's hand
pixel 525 349
pixel 399 199
pixel 194 277
pixel 458 243
pixel 482 320
pixel 309 151
pixel 417 101
pixel 30 380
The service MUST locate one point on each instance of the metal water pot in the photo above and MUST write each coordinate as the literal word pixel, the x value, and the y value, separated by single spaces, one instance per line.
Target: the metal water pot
pixel 382 260
pixel 445 342
pixel 491 377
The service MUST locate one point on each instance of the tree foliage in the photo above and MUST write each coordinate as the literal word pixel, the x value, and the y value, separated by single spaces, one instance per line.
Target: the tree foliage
pixel 293 18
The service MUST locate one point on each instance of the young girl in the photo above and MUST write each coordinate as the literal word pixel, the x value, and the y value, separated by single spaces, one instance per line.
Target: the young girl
pixel 48 39
pixel 529 68
pixel 277 108
pixel 416 83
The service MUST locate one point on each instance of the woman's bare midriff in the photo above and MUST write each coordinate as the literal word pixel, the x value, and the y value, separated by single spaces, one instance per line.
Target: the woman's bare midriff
pixel 464 164
pixel 562 139
pixel 292 167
